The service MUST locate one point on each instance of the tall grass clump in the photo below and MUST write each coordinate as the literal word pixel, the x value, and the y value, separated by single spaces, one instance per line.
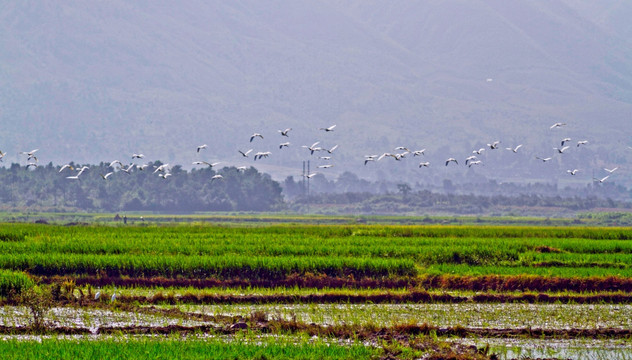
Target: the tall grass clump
pixel 14 283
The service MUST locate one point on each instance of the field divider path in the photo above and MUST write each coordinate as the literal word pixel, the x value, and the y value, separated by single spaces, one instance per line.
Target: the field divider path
pixel 370 333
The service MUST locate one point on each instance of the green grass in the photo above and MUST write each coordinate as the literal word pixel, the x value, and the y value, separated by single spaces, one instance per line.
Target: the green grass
pixel 274 252
pixel 13 283
pixel 174 348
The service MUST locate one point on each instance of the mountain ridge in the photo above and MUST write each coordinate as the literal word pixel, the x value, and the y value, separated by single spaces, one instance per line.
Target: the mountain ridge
pixel 90 82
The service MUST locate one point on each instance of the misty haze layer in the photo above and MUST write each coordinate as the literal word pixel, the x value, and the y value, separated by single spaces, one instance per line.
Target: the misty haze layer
pixel 96 81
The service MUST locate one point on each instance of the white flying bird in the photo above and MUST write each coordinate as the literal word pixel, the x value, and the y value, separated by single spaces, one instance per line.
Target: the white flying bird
pixel 206 163
pixel 106 176
pixel 162 168
pixel 331 128
pixel 245 154
pixel 284 132
pixel 451 160
pixel 582 142
pixel 494 145
pixel 253 136
pixel 470 158
pixel 164 175
pixel 128 170
pixel 30 153
pixel 116 162
pixel 332 149
pixel 285 144
pixel 543 159
pixel 326 166
pixel 561 151
pixel 313 147
pixel 217 177
pixel 201 147
pixel 419 152
pixel 572 172
pixel 515 150
pixel 76 177
pixel 556 125
pixel 477 162
pixel 479 151
pixel 424 164
pixel 611 170
pixel 262 154
pixel 137 156
pixel 67 166
pixel 601 180
pixel 309 176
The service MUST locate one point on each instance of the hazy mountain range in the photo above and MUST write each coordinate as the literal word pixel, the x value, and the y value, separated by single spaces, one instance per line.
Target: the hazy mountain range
pixel 92 81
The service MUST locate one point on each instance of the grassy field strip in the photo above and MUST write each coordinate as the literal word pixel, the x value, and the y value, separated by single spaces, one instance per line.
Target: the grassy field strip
pixel 498 316
pixel 278 251
pixel 71 317
pixel 305 291
pixel 564 272
pixel 252 267
pixel 239 337
pixel 577 349
pixel 123 348
pixel 265 219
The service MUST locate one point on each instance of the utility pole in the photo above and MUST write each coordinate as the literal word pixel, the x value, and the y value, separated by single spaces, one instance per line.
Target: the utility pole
pixel 303 180
pixel 308 186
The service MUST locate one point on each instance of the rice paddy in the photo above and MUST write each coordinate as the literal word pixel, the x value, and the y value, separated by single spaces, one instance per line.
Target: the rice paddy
pixel 314 291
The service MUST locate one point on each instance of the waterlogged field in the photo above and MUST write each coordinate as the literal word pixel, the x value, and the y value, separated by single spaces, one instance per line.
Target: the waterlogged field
pixel 361 291
pixel 467 315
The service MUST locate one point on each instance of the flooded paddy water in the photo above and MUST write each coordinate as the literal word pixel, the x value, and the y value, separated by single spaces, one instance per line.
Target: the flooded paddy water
pixel 560 317
pixel 499 316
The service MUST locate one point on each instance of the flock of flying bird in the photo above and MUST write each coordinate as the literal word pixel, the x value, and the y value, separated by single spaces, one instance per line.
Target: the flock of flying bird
pixel 164 170
pixel 311 148
pixel 473 159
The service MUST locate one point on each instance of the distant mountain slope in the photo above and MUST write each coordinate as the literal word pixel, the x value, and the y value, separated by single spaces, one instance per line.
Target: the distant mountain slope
pixel 93 81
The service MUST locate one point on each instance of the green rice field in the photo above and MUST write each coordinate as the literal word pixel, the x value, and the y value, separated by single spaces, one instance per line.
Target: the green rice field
pixel 303 290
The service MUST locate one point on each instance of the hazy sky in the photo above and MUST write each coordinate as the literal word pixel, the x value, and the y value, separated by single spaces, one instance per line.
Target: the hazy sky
pixel 97 81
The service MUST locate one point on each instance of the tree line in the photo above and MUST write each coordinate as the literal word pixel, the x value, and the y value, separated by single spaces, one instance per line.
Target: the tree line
pixel 44 188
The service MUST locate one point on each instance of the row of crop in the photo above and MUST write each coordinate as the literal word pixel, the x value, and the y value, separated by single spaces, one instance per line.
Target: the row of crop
pixel 476 252
pixel 513 270
pixel 191 349
pixel 326 231
pixel 515 232
pixel 13 282
pixel 577 260
pixel 471 253
pixel 247 267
